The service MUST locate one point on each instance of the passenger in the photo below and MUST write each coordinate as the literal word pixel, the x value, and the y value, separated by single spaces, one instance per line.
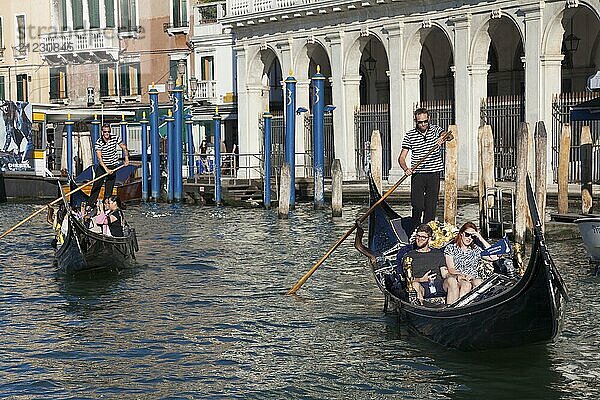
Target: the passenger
pixel 114 216
pixel 203 157
pixel 463 256
pixel 426 263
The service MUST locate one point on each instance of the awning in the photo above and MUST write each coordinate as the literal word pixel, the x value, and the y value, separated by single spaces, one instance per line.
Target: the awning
pixel 586 111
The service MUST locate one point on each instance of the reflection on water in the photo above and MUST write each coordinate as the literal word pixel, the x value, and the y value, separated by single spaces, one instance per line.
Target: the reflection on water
pixel 204 314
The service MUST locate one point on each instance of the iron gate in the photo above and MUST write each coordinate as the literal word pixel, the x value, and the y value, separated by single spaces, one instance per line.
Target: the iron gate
pixel 561 108
pixel 277 141
pixel 441 113
pixel 367 118
pixel 329 144
pixel 504 114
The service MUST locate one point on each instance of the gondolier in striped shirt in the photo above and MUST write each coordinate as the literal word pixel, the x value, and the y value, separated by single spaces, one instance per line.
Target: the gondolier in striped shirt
pixel 108 160
pixel 425 180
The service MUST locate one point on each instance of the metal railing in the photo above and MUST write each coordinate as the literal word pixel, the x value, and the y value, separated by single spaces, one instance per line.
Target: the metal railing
pixel 329 144
pixel 367 118
pixel 561 114
pixel 504 114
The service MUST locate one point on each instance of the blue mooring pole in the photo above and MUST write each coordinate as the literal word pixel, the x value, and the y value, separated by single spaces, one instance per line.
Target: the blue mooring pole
pixel 154 144
pixel 318 81
pixel 189 123
pixel 290 133
pixel 144 133
pixel 69 128
pixel 170 158
pixel 123 125
pixel 95 134
pixel 178 143
pixel 217 144
pixel 267 172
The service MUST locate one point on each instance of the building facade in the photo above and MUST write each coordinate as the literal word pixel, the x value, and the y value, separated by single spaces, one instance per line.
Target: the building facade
pixel 403 54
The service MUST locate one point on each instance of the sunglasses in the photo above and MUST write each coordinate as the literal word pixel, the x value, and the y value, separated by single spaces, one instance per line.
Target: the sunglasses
pixel 468 234
pixel 423 122
pixel 424 237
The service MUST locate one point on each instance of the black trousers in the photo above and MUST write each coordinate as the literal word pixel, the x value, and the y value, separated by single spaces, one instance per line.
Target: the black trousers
pixel 108 187
pixel 424 193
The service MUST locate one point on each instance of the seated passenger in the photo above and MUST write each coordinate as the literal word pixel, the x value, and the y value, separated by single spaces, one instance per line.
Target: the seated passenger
pixel 426 263
pixel 463 256
pixel 114 216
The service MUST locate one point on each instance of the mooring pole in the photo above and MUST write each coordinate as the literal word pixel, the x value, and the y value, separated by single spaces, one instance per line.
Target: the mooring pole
pixel 69 128
pixel 178 143
pixel 123 126
pixel 318 112
pixel 189 123
pixel 170 157
pixel 95 134
pixel 217 144
pixel 154 144
pixel 144 154
pixel 290 134
pixel 267 163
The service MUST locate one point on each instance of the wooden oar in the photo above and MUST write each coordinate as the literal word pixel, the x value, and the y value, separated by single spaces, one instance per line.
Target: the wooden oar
pixel 57 200
pixel 445 137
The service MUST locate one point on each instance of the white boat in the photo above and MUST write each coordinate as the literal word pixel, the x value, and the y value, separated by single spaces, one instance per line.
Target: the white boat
pixel 589 227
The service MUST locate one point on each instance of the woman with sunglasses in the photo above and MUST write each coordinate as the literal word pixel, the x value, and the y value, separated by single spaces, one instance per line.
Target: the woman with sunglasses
pixel 463 256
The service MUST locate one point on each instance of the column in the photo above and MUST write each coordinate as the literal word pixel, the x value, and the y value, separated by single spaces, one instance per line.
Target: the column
pixel 551 79
pixel 533 72
pixel 395 51
pixel 302 100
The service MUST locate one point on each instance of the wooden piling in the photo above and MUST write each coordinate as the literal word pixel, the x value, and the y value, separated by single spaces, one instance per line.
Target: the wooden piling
pixel 451 177
pixel 564 154
pixel 284 192
pixel 520 182
pixel 376 159
pixel 487 163
pixel 541 163
pixel 480 186
pixel 585 154
pixel 336 188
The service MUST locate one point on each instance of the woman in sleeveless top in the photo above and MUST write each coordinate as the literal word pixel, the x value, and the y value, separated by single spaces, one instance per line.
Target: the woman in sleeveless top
pixel 115 216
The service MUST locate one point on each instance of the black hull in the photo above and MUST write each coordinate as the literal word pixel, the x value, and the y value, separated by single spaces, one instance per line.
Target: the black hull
pixel 530 311
pixel 84 250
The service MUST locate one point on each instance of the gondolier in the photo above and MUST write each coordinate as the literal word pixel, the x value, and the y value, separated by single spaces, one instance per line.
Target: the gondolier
pixel 108 160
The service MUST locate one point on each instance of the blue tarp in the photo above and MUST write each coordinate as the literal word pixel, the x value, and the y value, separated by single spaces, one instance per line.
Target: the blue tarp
pixel 122 175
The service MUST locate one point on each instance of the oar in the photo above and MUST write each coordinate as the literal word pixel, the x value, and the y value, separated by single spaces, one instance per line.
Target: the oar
pixel 56 201
pixel 445 137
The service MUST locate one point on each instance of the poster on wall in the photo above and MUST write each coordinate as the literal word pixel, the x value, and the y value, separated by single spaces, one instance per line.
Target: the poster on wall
pixel 16 140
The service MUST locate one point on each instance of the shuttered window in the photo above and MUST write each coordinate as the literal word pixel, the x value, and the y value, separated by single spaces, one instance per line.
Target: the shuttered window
pixel 179 13
pixel 129 75
pixel 58 83
pixel 109 6
pixel 63 15
pixel 22 89
pixel 77 14
pixel 2 89
pixel 128 16
pixel 94 11
pixel 108 80
pixel 207 65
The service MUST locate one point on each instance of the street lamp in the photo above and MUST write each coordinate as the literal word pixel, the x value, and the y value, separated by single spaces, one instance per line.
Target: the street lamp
pixel 193 86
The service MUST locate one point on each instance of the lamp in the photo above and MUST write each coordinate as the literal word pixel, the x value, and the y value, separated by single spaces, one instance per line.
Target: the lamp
pixel 193 86
pixel 571 42
pixel 370 61
pixel 181 67
pixel 170 84
pixel 301 110
pixel 329 108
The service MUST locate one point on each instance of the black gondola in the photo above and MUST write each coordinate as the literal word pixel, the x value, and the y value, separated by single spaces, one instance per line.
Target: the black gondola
pixel 85 250
pixel 501 312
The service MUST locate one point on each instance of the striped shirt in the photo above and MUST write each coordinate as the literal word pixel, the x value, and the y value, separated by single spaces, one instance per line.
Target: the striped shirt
pixel 109 150
pixel 419 144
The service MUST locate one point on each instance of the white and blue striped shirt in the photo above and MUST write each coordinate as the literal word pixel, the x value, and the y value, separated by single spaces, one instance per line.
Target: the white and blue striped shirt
pixel 109 150
pixel 419 144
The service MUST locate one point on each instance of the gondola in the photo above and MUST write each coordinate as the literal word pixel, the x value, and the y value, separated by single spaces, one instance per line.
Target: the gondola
pixel 84 250
pixel 589 228
pixel 501 312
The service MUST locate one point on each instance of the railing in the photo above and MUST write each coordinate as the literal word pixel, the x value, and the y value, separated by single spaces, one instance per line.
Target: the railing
pixel 561 114
pixel 504 114
pixel 207 90
pixel 242 7
pixel 367 118
pixel 79 41
pixel 328 132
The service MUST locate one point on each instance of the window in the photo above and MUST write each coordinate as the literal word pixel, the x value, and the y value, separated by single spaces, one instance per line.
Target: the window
pixel 22 87
pixel 20 39
pixel 180 13
pixel 77 8
pixel 207 65
pixel 94 12
pixel 128 16
pixel 108 80
pixel 129 75
pixel 2 89
pixel 1 39
pixel 62 15
pixel 58 83
pixel 109 6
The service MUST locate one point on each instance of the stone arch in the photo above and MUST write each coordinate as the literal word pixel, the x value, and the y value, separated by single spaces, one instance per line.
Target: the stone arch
pixel 415 42
pixel 311 55
pixel 265 71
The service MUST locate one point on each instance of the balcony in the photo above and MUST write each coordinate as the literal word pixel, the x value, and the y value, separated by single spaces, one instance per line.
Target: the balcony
pixel 177 28
pixel 207 91
pixel 81 46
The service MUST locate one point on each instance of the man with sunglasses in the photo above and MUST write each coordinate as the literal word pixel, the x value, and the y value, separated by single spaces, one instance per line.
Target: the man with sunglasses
pixel 425 179
pixel 108 161
pixel 430 277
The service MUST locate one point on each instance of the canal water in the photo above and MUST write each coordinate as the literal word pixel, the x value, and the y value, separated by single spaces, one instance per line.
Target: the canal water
pixel 204 315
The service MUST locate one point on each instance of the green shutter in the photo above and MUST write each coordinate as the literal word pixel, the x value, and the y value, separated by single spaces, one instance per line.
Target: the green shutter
pixel 63 15
pixel 54 84
pixel 176 16
pixel 77 14
pixel 94 10
pixel 22 94
pixel 109 6
pixel 2 94
pixel 1 43
pixel 103 80
pixel 184 13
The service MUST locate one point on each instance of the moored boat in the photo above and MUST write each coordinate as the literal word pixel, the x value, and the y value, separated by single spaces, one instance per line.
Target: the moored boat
pixel 501 312
pixel 589 227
